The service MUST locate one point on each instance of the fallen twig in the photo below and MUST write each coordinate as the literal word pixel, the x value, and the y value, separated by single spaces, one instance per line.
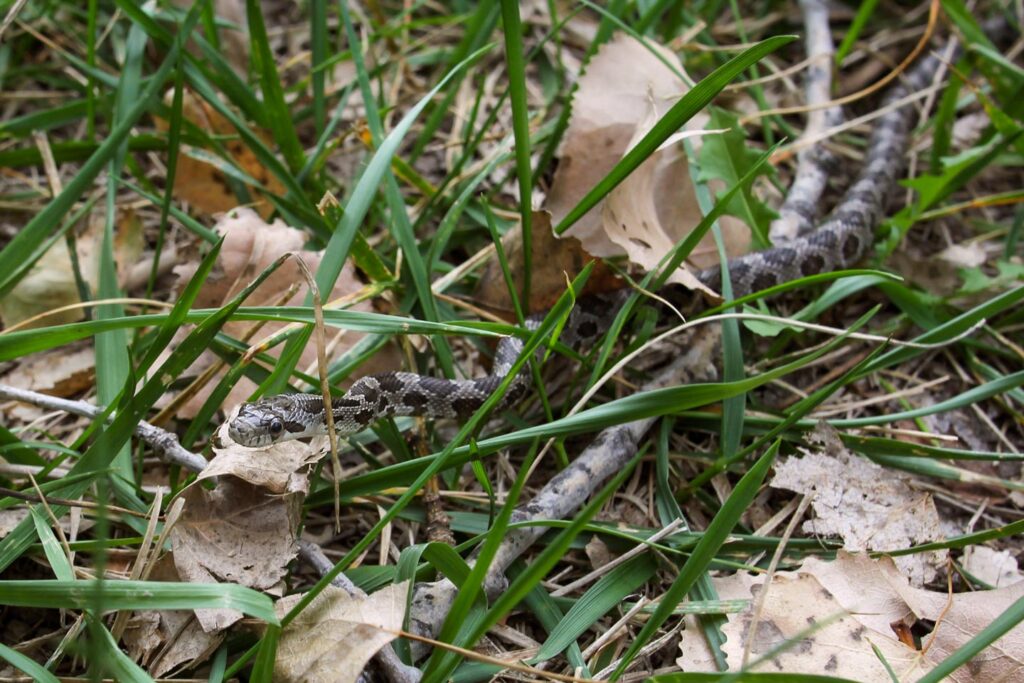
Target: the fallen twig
pixel 163 442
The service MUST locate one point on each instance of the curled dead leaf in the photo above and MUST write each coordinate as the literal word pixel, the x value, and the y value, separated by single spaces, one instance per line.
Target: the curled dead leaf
pixel 281 468
pixel 337 634
pixel 250 246
pixel 831 615
pixel 625 89
pixel 237 533
pixel 554 262
pixel 163 640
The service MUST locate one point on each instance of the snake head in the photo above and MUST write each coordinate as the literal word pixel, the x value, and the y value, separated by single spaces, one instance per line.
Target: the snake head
pixel 259 424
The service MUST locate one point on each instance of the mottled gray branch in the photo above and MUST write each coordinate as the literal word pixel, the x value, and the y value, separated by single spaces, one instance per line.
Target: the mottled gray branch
pixel 163 442
pixel 815 164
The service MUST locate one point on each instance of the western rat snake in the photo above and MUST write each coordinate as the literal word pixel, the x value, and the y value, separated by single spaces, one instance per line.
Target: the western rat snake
pixel 838 243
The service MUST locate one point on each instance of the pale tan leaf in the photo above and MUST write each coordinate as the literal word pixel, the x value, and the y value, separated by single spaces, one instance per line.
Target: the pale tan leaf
pixel 839 644
pixel 64 372
pixel 49 284
pixel 166 639
pixel 237 533
pixel 598 552
pixel 636 213
pixel 868 506
pixel 10 519
pixel 995 567
pixel 334 638
pixel 877 595
pixel 625 89
pixel 279 468
pixel 250 246
pixel 960 617
pixel 969 255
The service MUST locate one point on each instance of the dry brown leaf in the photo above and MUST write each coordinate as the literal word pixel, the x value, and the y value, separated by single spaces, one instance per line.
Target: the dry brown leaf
pixel 995 567
pixel 960 617
pixel 874 591
pixel 236 533
pixel 598 552
pixel 625 89
pixel 869 507
pixel 795 602
pixel 65 372
pixel 334 638
pixel 250 246
pixel 48 285
pixel 149 632
pixel 554 263
pixel 969 255
pixel 279 468
pixel 201 183
pixel 857 602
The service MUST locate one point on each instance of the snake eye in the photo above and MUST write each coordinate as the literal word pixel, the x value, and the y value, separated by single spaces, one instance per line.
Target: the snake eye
pixel 275 427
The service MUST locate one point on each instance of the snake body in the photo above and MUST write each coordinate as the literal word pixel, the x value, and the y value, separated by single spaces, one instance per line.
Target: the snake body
pixel 841 241
pixel 395 394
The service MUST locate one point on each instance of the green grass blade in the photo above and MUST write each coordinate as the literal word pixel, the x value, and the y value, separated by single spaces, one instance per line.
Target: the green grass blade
pixel 112 346
pixel 715 535
pixel 279 117
pixel 318 55
pixel 479 27
pixel 516 66
pixel 51 547
pixel 142 595
pixel 444 558
pixel 958 325
pixel 401 226
pixel 263 668
pixel 36 671
pixel 109 658
pixel 609 591
pixel 864 12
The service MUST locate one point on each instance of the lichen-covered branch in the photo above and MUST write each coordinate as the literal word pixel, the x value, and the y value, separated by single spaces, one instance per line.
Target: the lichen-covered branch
pixel 815 164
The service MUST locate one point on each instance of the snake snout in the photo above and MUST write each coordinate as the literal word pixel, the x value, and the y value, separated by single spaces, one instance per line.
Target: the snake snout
pixel 244 435
pixel 247 428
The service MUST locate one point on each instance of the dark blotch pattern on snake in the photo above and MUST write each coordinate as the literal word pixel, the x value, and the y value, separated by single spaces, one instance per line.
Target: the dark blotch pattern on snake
pixel 839 242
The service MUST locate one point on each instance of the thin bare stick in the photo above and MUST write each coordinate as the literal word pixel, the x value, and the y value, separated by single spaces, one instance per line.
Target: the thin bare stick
pixel 933 16
pixel 163 442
